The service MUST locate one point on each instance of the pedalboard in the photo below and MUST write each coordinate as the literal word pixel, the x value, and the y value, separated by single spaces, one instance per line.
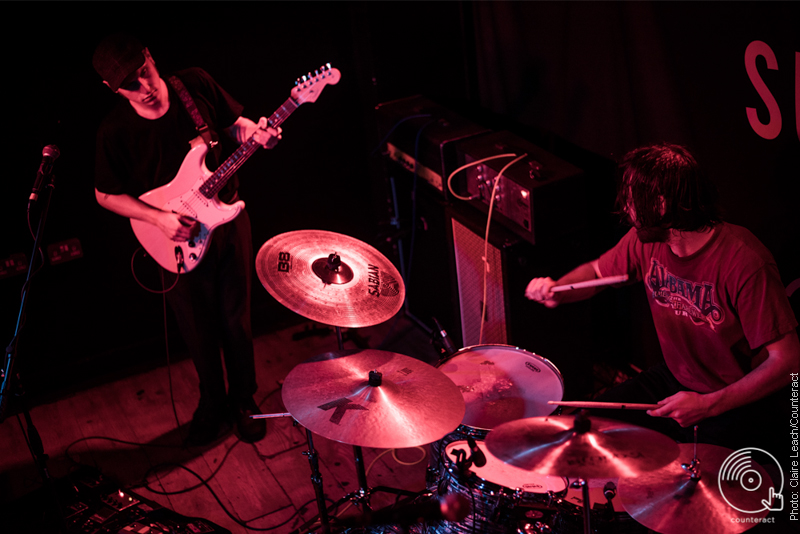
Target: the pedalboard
pixel 93 504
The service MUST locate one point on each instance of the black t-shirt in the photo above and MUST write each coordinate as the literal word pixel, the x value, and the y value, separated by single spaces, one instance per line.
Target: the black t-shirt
pixel 135 155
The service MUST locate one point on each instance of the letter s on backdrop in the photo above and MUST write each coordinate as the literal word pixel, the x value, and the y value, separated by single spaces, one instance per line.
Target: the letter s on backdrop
pixel 773 127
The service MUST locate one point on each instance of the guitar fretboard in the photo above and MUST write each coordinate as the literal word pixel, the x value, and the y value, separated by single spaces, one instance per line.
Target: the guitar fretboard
pixel 217 181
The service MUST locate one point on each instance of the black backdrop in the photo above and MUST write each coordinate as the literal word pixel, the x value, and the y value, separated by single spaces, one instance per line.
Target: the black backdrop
pixel 602 77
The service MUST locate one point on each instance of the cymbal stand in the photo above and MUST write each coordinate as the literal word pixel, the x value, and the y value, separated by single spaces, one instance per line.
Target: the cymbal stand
pixel 316 479
pixel 582 426
pixel 693 467
pixel 583 484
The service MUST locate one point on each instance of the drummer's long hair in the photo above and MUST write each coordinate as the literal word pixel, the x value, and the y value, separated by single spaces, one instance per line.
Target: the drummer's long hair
pixel 670 172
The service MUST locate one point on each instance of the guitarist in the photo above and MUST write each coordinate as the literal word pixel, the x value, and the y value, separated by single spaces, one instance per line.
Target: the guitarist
pixel 140 146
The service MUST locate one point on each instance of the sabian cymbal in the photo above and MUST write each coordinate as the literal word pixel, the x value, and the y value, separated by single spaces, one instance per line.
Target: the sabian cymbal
pixel 330 278
pixel 340 396
pixel 564 446
pixel 669 501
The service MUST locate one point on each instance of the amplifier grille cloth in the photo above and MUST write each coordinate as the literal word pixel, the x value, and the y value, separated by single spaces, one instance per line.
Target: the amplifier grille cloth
pixel 469 249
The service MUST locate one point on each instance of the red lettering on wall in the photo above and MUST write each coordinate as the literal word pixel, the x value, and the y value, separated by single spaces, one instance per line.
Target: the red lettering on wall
pixel 797 92
pixel 772 128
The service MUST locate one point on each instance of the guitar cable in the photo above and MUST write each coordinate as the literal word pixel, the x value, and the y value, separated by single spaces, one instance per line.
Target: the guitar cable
pixel 496 182
pixel 161 271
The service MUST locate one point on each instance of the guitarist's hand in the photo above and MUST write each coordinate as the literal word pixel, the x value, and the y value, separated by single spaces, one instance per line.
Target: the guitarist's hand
pixel 178 227
pixel 265 135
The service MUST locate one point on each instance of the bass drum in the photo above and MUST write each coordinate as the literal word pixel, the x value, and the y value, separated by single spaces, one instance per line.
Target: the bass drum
pixel 498 493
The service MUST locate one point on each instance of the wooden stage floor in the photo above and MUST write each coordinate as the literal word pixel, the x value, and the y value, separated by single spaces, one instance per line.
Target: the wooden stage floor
pixel 127 430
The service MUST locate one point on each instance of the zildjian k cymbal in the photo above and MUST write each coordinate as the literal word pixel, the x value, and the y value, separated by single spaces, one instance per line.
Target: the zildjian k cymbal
pixel 373 398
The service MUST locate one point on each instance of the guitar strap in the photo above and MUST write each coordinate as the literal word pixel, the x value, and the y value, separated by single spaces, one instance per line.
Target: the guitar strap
pixel 194 113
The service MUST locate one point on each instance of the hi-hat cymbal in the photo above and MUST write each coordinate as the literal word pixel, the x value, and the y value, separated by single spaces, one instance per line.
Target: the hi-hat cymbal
pixel 373 398
pixel 670 502
pixel 564 446
pixel 330 278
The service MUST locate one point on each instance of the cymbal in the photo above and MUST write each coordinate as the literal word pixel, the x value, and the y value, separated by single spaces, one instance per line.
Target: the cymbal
pixel 551 445
pixel 330 278
pixel 373 398
pixel 668 501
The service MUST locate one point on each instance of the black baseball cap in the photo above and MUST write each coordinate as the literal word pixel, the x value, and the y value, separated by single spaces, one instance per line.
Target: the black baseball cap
pixel 117 57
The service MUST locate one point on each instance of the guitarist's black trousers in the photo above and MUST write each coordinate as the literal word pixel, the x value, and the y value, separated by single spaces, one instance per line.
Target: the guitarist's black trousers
pixel 212 308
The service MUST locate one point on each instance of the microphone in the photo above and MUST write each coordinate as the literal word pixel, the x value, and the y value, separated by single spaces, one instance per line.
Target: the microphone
pixel 450 507
pixel 477 458
pixel 49 154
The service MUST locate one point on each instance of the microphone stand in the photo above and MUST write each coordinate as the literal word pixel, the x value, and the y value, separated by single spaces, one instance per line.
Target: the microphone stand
pixel 32 436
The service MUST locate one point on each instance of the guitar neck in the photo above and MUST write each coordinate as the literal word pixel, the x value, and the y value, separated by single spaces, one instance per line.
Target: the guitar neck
pixel 217 181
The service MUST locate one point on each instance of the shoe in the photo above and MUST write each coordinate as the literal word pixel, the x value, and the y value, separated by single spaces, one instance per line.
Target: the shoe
pixel 249 430
pixel 209 423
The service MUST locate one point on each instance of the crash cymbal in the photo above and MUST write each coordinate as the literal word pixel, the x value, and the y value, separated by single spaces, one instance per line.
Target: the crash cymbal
pixel 373 398
pixel 669 501
pixel 567 446
pixel 330 278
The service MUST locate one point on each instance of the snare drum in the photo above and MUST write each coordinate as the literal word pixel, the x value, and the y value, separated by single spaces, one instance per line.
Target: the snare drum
pixel 499 383
pixel 496 491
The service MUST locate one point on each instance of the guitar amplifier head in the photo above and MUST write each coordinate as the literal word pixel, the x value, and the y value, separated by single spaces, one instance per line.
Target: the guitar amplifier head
pixel 540 197
pixel 418 132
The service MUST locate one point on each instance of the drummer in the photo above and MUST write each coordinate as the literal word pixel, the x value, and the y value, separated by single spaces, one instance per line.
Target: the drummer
pixel 724 322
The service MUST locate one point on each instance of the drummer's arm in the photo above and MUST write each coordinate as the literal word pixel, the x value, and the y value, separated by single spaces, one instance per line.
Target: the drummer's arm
pixel 783 360
pixel 539 289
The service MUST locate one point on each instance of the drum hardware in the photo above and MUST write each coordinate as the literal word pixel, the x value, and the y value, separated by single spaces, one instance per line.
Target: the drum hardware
pixel 366 398
pixel 693 467
pixel 582 448
pixel 340 281
pixel 441 341
pixel 502 495
pixel 476 456
pixel 609 492
pixel 671 500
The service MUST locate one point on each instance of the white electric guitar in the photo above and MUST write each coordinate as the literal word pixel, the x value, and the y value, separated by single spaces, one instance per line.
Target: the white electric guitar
pixel 193 191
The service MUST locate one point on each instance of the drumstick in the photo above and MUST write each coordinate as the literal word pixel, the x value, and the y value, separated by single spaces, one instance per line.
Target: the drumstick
pixel 609 405
pixel 608 280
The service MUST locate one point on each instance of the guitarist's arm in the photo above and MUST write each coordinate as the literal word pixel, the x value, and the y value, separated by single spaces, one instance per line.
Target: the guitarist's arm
pixel 244 128
pixel 176 227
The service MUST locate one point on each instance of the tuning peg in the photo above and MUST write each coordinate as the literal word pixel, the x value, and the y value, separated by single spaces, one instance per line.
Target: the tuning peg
pixel 304 79
pixel 316 73
pixel 329 66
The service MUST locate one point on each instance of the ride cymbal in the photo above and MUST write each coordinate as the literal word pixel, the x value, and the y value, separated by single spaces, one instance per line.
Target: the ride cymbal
pixel 581 447
pixel 373 398
pixel 669 501
pixel 330 278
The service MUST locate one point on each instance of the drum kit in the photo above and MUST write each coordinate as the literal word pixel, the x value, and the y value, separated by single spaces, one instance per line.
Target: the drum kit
pixel 486 412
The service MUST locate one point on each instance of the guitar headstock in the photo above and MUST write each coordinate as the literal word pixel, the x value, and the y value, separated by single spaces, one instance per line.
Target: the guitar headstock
pixel 308 88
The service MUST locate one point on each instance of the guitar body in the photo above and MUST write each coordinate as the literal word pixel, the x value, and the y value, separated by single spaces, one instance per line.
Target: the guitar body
pixel 193 190
pixel 182 196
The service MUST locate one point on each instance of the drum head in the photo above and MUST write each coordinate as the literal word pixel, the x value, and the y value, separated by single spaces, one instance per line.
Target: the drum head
pixel 501 383
pixel 505 475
